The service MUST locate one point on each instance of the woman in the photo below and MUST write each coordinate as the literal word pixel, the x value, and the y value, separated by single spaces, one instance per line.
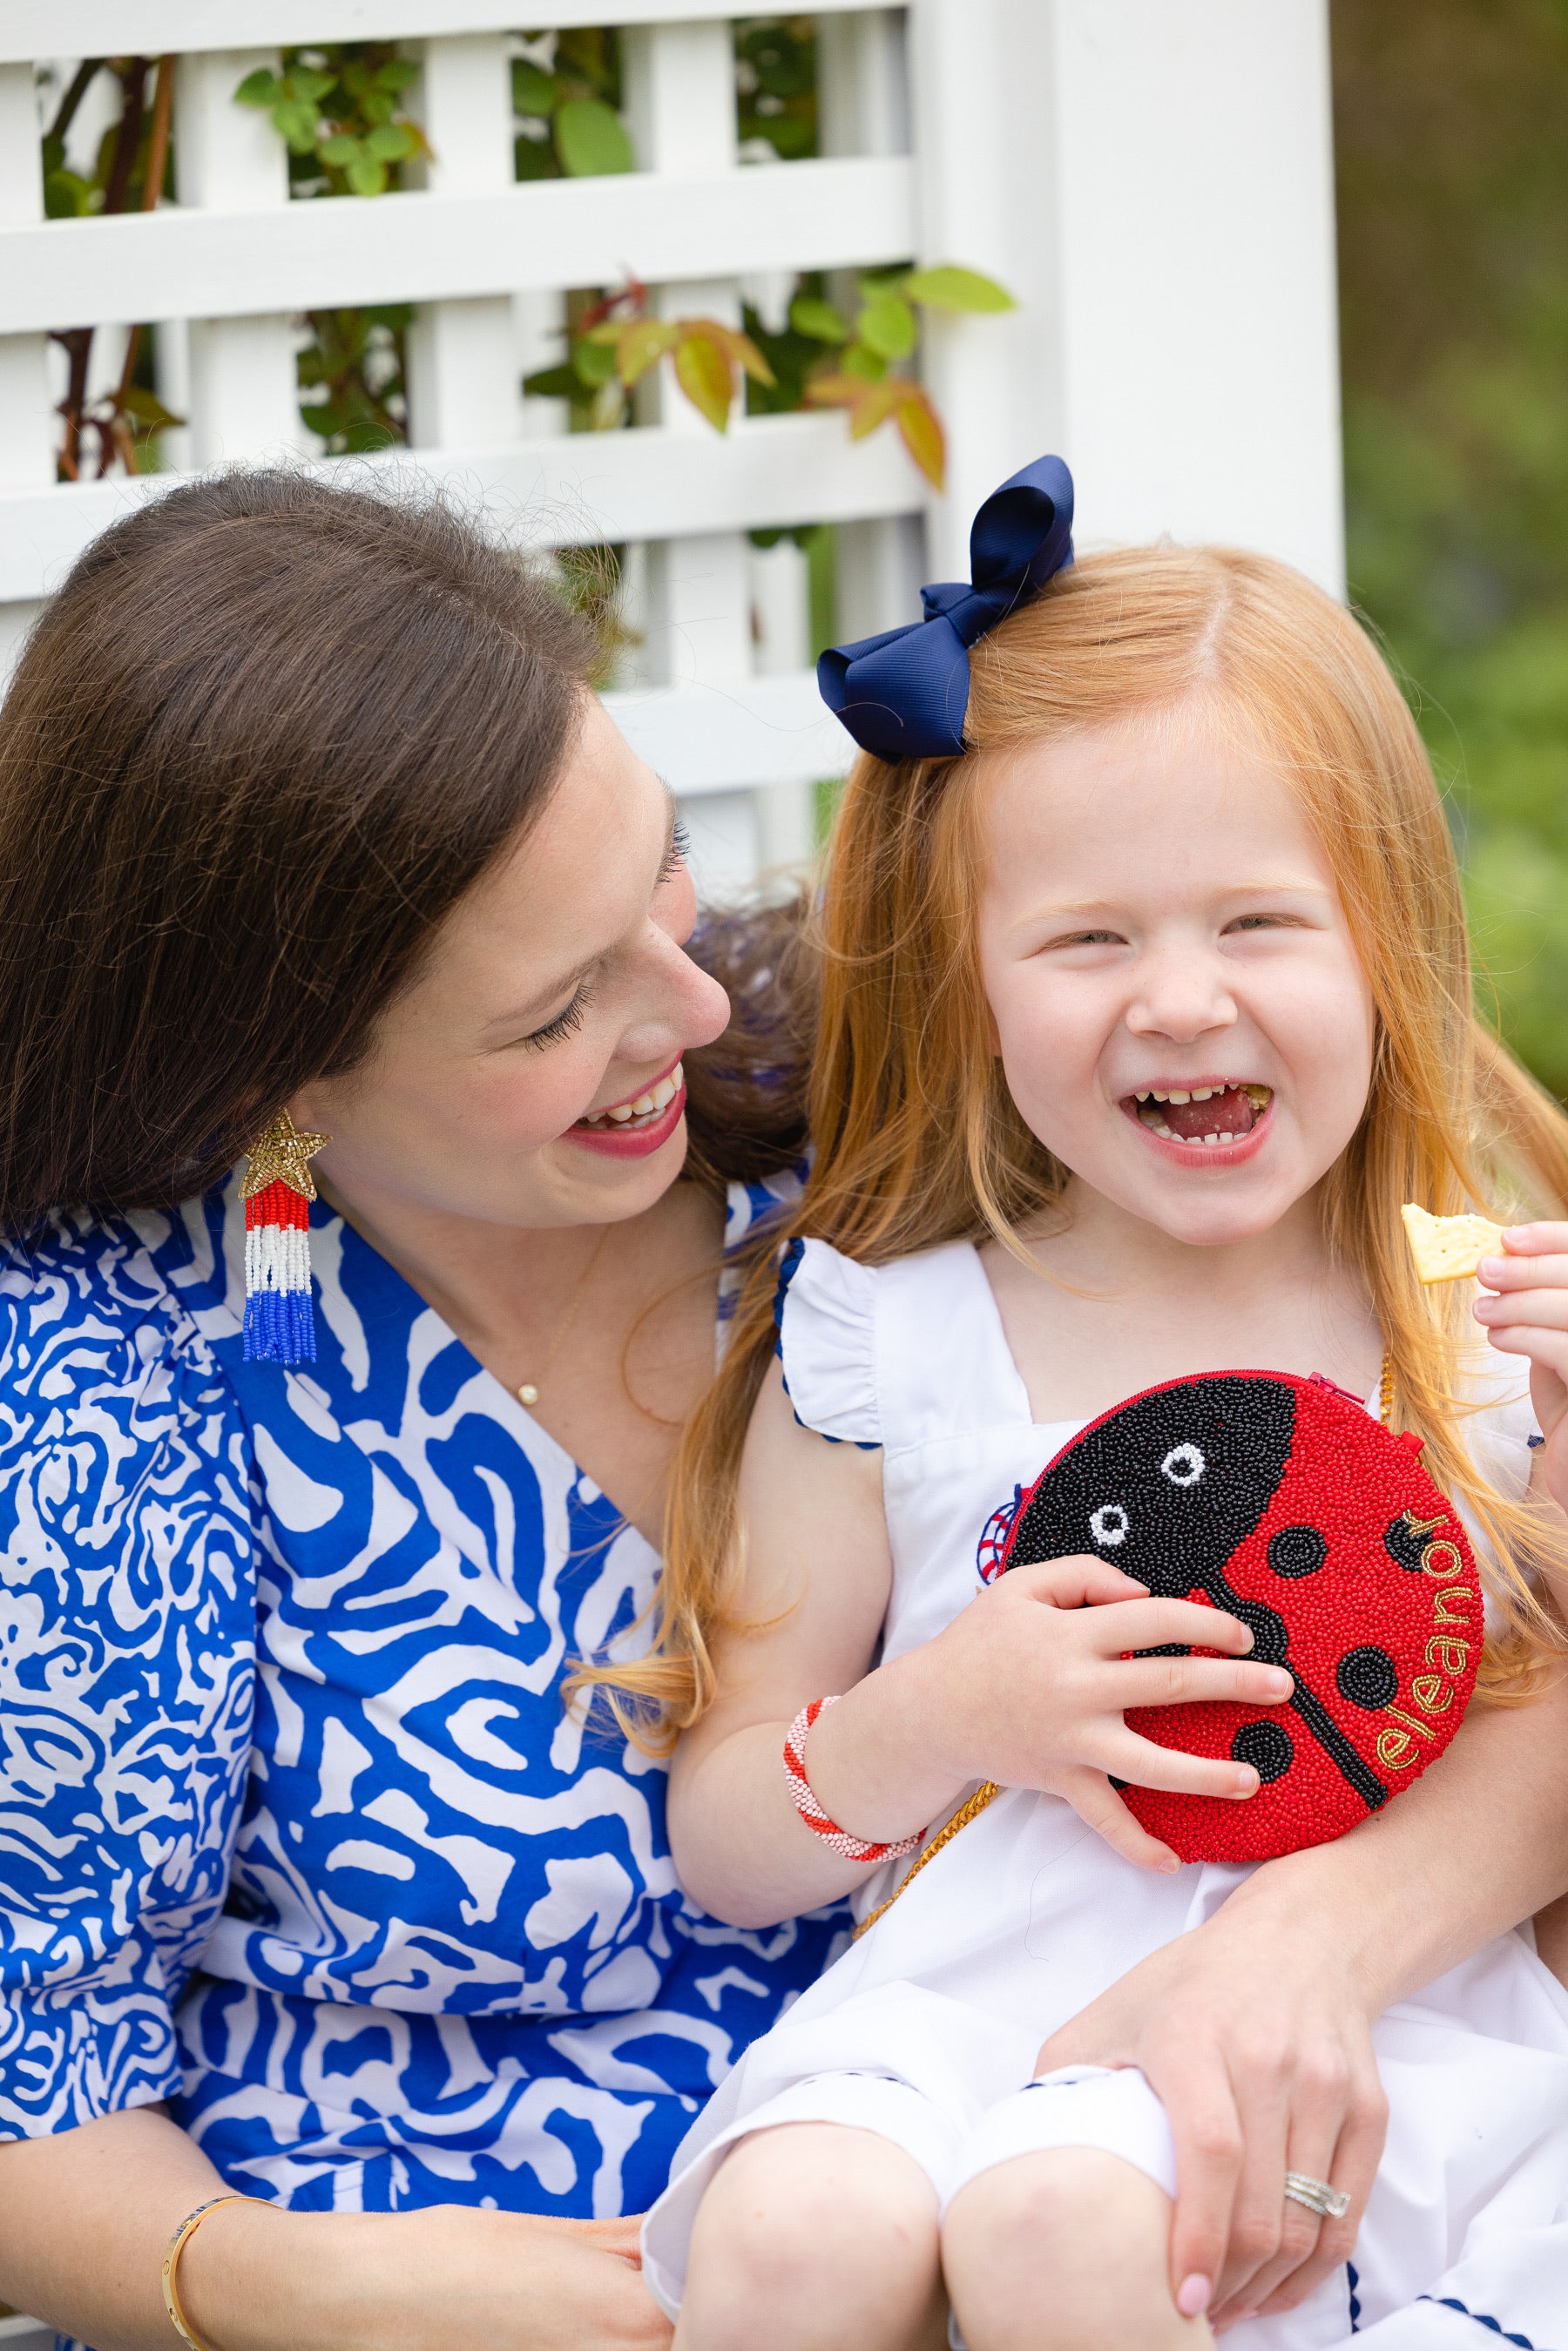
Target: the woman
pixel 304 804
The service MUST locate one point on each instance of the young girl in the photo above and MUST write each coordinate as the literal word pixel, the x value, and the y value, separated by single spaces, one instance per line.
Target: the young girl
pixel 1148 1005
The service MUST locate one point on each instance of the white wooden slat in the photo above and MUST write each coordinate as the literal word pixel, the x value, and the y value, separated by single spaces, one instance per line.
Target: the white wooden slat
pixel 679 87
pixel 863 110
pixel 37 28
pixel 464 382
pixel 780 619
pixel 992 377
pixel 242 398
pixel 27 427
pixel 1196 288
pixel 708 741
pixel 421 247
pixel 573 491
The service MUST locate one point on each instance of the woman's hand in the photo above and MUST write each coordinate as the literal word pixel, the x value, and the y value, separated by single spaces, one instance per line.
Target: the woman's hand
pixel 442 2280
pixel 1256 2035
pixel 1029 1686
pixel 1528 1316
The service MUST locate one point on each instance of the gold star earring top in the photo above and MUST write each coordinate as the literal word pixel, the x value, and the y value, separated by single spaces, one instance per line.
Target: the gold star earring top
pixel 278 1155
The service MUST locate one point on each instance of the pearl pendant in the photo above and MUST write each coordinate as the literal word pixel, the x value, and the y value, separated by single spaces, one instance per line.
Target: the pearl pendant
pixel 527 1393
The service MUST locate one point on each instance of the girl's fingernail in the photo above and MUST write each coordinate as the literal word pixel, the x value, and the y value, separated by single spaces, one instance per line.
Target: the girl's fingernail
pixel 1280 1684
pixel 1170 1864
pixel 1193 2294
pixel 1492 1271
pixel 1248 1782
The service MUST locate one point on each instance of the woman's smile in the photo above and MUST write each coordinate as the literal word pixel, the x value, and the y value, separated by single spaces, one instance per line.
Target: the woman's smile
pixel 634 1128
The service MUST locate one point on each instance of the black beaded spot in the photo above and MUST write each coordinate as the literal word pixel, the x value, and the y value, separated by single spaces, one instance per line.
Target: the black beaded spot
pixel 1266 1746
pixel 1368 1678
pixel 1404 1546
pixel 1297 1550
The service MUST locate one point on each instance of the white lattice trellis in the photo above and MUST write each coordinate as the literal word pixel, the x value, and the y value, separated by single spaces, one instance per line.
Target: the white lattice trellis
pixel 1153 182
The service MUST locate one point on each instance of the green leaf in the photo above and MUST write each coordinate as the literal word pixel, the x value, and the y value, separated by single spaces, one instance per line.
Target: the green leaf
pixel 376 108
pixel 554 383
pixel 322 416
pixel 862 360
pixel 533 92
pixel 886 325
pixel 148 410
pixel 366 177
pixel 390 142
pixel 305 82
pixel 356 77
pixel 297 123
pixel 590 139
pixel 642 345
pixel 819 320
pixel 258 88
pixel 951 288
pixel 534 158
pixel 396 73
pixel 791 136
pixel 341 149
pixel 67 196
pixel 704 374
pixel 594 362
pixel 922 435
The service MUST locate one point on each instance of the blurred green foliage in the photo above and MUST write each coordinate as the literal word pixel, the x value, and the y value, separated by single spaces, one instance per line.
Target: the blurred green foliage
pixel 339 112
pixel 1452 149
pixel 567 114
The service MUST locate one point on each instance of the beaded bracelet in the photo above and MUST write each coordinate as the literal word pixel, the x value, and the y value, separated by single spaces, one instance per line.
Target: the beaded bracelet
pixel 175 2247
pixel 852 1848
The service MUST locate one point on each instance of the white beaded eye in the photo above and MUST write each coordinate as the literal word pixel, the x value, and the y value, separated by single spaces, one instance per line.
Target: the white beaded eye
pixel 1184 1464
pixel 1110 1525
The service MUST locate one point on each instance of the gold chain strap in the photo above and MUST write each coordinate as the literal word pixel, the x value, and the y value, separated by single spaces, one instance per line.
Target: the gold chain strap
pixel 973 1806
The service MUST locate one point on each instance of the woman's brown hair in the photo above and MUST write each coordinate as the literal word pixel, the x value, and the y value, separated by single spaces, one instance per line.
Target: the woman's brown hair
pixel 918 1141
pixel 263 738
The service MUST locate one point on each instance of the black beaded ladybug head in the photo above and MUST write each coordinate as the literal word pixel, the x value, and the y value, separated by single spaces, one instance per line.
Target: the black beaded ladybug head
pixel 1281 1501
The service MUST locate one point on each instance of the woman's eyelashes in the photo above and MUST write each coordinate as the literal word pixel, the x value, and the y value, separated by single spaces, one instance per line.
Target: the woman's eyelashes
pixel 566 1023
pixel 677 852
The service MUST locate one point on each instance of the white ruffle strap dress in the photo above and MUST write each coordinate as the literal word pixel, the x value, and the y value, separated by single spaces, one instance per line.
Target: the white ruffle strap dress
pixel 927 2030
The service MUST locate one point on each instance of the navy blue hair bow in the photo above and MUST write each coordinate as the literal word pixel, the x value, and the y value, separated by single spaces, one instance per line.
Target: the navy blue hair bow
pixel 904 694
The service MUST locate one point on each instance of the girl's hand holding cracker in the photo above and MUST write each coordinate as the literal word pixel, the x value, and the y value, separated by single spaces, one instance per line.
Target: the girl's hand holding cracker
pixel 1528 1316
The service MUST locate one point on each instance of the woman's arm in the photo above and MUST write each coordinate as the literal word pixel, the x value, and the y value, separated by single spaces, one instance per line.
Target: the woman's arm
pixel 1028 1687
pixel 1256 2029
pixel 85 2216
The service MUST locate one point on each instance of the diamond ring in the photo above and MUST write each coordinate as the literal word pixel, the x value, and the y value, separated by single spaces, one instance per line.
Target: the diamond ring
pixel 1328 2203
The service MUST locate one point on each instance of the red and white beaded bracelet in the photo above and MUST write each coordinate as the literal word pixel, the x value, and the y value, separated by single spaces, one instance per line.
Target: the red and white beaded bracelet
pixel 852 1848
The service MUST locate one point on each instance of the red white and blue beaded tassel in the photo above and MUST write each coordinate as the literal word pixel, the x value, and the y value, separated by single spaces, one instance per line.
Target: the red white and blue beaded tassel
pixel 277 1190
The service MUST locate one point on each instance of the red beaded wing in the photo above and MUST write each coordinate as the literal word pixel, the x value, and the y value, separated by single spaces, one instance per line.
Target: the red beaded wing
pixel 1281 1501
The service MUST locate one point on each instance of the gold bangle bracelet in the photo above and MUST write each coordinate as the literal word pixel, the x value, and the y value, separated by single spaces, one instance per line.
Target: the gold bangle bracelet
pixel 176 2246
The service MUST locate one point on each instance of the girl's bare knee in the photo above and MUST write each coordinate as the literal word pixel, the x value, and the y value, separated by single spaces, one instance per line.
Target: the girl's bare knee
pixel 813 2234
pixel 1065 2251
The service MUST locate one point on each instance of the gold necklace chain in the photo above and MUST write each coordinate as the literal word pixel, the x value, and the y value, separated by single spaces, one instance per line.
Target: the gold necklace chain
pixel 527 1391
pixel 987 1793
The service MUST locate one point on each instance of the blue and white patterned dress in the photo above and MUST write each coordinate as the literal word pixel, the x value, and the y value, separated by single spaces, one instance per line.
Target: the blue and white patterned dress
pixel 294 1832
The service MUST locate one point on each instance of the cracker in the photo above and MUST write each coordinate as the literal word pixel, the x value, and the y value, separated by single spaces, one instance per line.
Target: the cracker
pixel 1449 1248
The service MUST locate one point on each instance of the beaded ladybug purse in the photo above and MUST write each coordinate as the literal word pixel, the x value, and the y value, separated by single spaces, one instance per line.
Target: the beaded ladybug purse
pixel 1281 1501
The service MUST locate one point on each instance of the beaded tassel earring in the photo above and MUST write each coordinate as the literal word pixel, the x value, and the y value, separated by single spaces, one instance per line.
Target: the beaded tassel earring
pixel 277 1190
